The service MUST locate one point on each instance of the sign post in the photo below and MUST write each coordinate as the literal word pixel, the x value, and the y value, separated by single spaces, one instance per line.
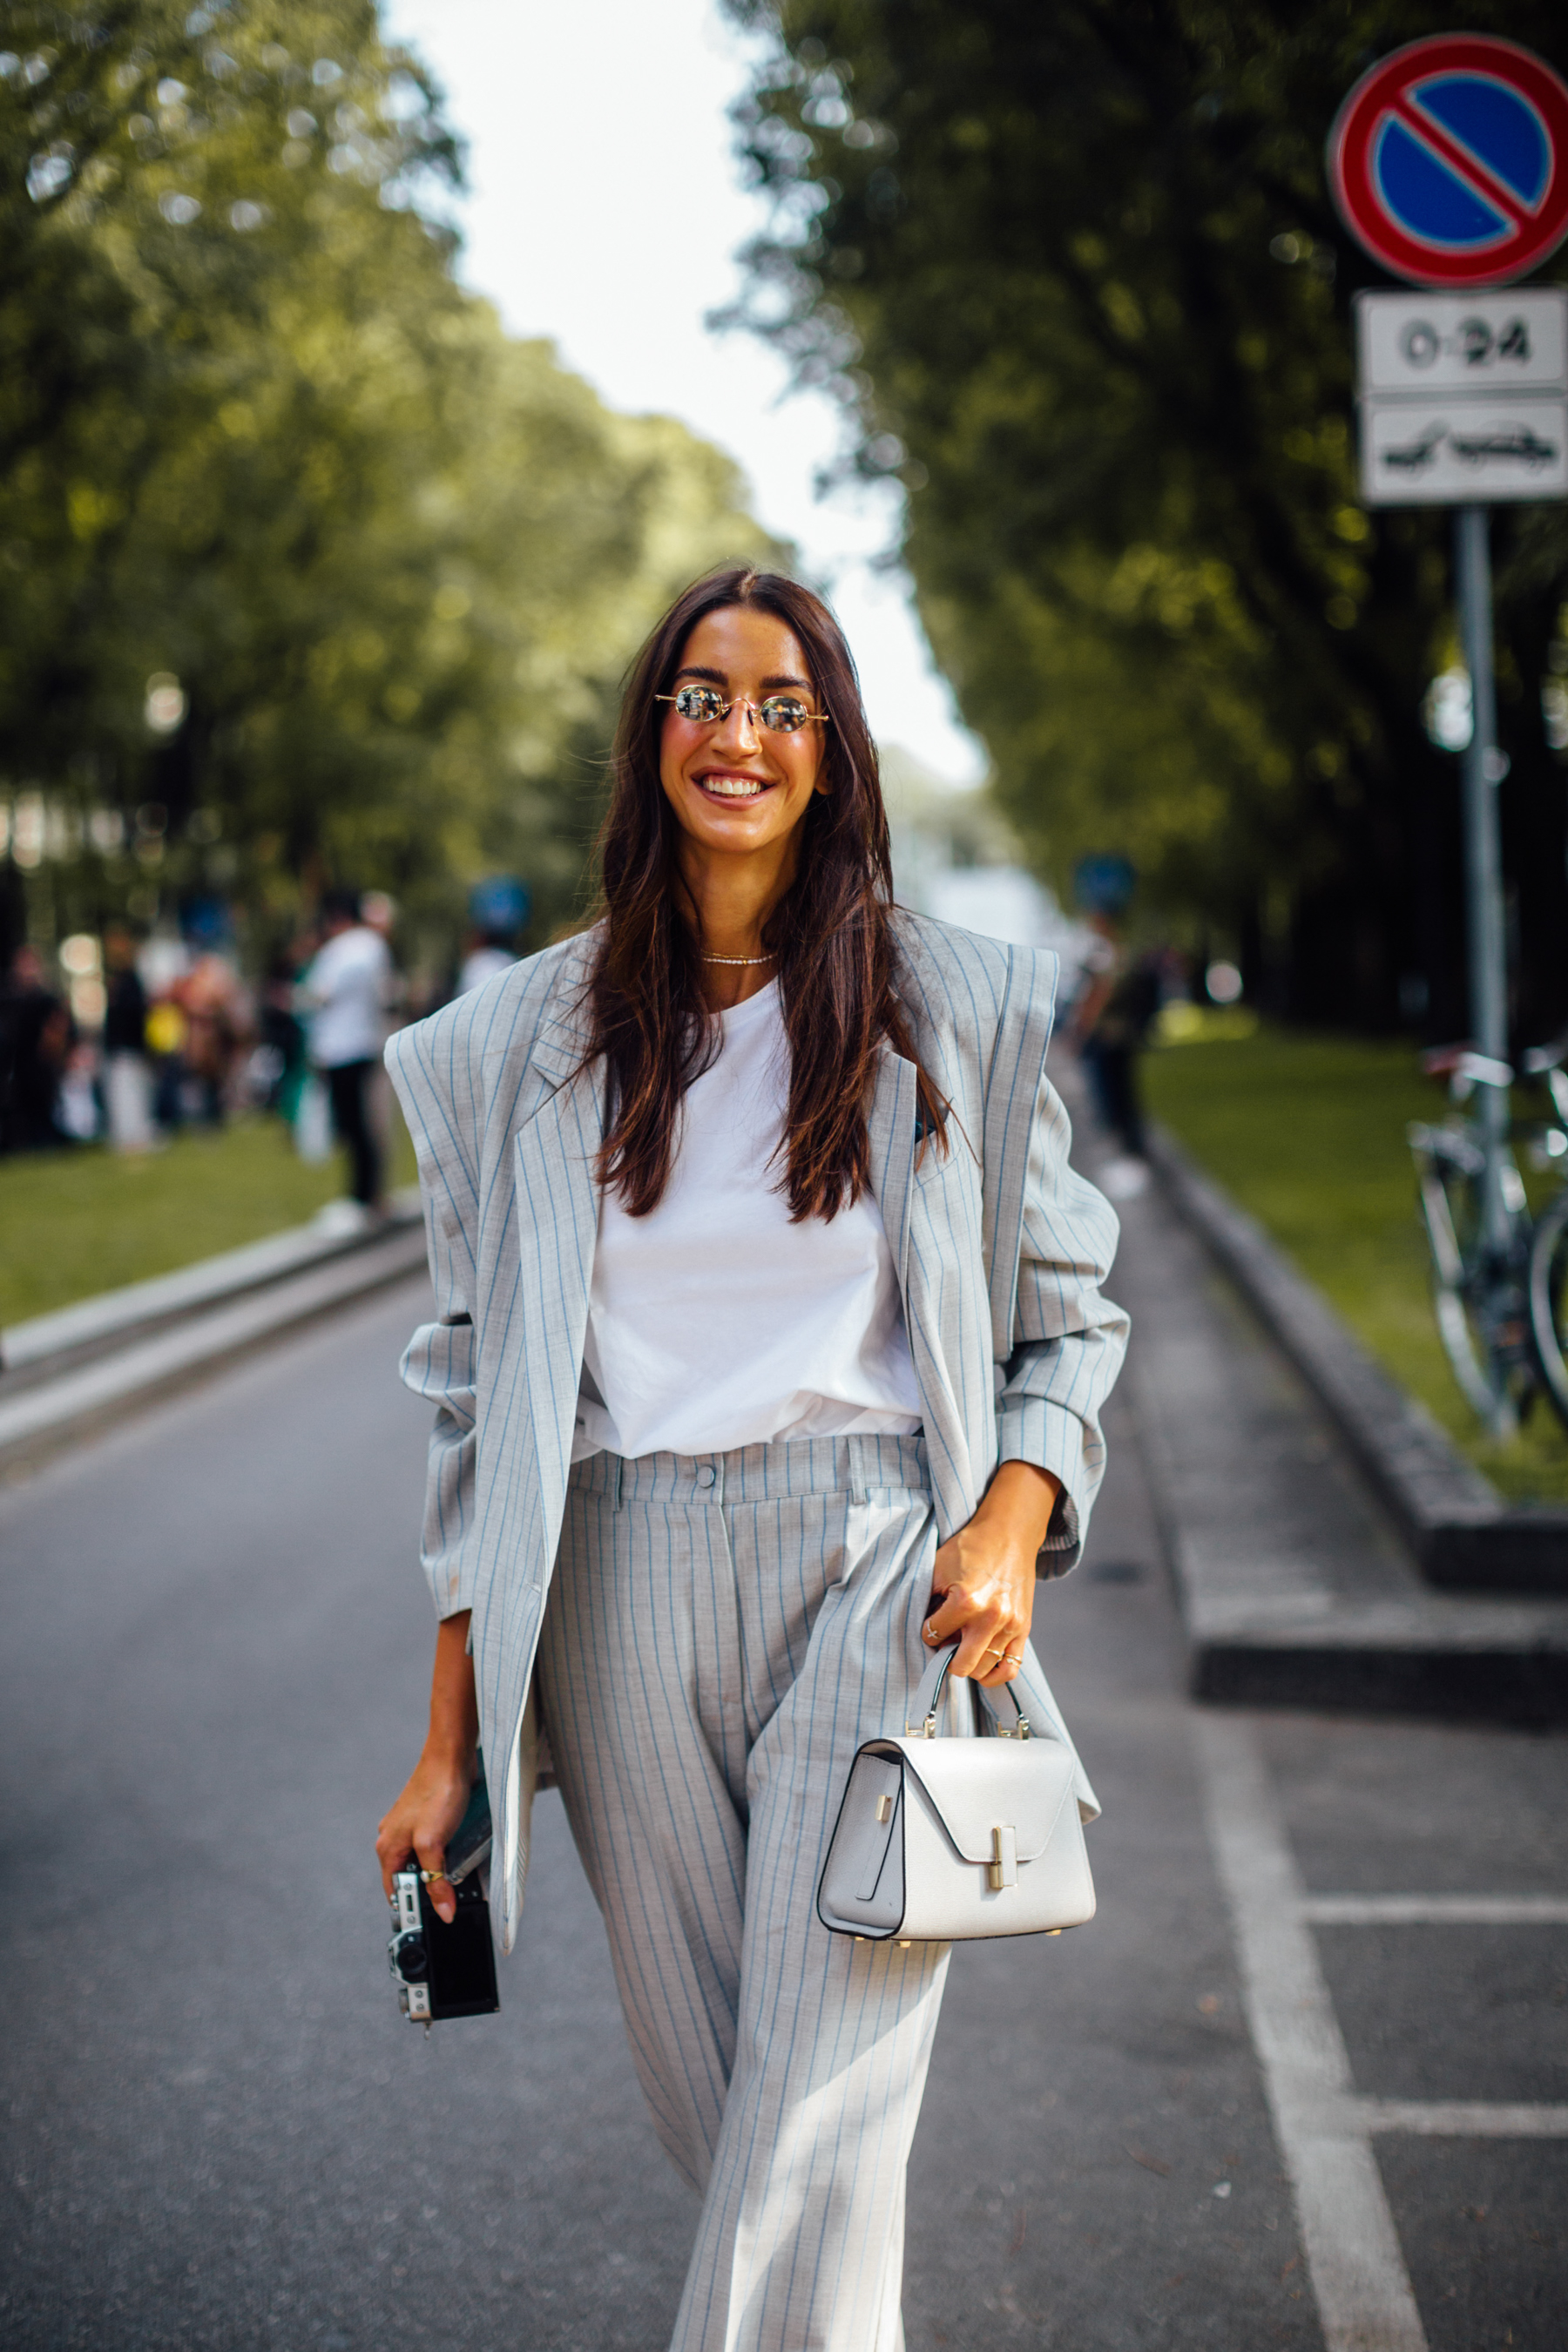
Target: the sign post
pixel 1483 773
pixel 1449 161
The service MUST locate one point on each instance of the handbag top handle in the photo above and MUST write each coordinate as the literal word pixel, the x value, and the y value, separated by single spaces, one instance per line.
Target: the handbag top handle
pixel 929 1697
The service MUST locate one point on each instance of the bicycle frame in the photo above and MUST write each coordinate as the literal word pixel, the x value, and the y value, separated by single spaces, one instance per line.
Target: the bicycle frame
pixel 1480 1274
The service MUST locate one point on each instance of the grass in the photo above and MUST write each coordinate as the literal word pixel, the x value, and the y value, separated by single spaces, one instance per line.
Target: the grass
pixel 75 1223
pixel 1308 1132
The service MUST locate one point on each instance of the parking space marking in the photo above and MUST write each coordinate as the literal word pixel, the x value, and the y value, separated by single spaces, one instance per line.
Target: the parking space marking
pixel 1464 2118
pixel 1366 2302
pixel 1435 1910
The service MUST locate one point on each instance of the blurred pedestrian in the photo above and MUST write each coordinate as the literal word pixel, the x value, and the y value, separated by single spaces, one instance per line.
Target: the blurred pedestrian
pixel 127 1072
pixel 378 911
pixel 1113 1007
pixel 36 1036
pixel 488 952
pixel 1112 1020
pixel 499 909
pixel 281 1060
pixel 166 1031
pixel 216 1020
pixel 346 991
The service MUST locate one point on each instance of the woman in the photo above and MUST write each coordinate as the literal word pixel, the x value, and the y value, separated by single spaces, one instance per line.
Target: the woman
pixel 771 1352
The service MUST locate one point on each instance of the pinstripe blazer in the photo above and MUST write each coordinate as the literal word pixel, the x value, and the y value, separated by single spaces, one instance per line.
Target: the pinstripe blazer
pixel 1000 1250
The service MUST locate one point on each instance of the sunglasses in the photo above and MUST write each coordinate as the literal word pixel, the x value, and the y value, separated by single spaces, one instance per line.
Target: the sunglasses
pixel 780 714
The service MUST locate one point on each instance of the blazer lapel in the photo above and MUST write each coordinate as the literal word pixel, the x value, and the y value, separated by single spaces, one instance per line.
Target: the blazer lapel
pixel 891 1131
pixel 558 1220
pixel 890 1118
pixel 1011 1099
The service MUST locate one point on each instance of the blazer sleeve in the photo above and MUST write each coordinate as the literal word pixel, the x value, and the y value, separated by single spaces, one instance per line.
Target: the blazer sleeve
pixel 440 1360
pixel 1068 1340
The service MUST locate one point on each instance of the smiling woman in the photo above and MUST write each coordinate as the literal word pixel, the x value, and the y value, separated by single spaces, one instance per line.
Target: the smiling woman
pixel 771 1350
pixel 736 852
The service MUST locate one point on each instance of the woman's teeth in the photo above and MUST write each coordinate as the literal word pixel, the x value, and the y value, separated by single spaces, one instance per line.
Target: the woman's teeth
pixel 734 787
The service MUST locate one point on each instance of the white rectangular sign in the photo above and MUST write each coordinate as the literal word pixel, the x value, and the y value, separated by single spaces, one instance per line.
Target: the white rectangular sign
pixel 1462 449
pixel 1414 345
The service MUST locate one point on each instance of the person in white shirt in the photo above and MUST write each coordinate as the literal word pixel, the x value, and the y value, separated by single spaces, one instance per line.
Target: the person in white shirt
pixel 491 952
pixel 346 992
pixel 768 1358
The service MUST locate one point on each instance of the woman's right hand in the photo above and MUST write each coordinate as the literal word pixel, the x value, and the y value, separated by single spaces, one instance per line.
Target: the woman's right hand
pixel 435 1795
pixel 432 1802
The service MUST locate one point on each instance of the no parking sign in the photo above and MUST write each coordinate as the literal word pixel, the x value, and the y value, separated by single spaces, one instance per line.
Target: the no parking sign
pixel 1450 161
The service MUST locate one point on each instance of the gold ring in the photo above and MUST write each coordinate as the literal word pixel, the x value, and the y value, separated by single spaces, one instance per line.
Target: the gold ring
pixel 430 1877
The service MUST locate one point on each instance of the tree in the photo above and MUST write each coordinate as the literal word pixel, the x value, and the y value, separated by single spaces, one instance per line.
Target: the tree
pixel 1075 273
pixel 254 439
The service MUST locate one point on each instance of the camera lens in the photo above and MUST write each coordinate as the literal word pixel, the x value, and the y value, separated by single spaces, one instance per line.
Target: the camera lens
pixel 413 1961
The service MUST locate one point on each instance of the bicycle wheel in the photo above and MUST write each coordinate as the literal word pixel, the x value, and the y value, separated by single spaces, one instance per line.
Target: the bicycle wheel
pixel 1549 1300
pixel 1477 1294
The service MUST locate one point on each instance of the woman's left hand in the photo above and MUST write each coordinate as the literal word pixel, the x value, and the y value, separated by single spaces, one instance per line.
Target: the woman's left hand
pixel 983 1577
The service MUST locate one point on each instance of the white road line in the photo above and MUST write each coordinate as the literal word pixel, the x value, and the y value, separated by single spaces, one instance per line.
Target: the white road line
pixel 1364 2299
pixel 1435 1910
pixel 1463 2119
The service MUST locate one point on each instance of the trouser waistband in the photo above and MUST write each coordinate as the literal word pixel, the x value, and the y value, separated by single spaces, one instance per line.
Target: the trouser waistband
pixel 762 1473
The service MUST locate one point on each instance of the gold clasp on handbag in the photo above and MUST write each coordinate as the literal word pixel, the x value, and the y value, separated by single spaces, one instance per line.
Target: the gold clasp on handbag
pixel 1020 1730
pixel 926 1731
pixel 1002 1870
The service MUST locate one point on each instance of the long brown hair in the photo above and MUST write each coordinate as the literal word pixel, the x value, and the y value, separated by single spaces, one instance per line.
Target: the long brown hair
pixel 830 930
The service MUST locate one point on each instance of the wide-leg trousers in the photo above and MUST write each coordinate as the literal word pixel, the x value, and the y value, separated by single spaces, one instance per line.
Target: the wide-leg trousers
pixel 721 1635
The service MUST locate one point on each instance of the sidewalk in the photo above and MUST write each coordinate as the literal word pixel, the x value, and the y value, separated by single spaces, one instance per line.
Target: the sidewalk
pixel 1294 1585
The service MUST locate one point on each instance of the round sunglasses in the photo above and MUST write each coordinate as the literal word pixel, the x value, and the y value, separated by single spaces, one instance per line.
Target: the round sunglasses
pixel 780 714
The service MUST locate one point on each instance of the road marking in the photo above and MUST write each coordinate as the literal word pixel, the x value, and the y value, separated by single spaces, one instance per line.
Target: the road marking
pixel 1365 2302
pixel 1435 1910
pixel 1463 2119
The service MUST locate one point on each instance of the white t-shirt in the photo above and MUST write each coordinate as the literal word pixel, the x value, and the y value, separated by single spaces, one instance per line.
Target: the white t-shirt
pixel 482 965
pixel 715 1322
pixel 350 986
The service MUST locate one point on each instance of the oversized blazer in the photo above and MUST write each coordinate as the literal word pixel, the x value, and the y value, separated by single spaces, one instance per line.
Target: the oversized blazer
pixel 1000 1250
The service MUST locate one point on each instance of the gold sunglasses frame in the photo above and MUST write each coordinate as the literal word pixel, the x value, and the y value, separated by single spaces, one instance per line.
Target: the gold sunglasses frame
pixel 812 718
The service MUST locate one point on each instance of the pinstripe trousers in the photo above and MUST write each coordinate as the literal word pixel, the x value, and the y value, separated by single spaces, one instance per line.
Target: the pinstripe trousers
pixel 722 1632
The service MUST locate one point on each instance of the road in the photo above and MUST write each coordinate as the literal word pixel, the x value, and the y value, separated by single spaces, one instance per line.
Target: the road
pixel 221 2134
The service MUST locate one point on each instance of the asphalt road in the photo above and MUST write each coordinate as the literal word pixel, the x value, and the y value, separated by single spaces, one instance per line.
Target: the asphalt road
pixel 220 2133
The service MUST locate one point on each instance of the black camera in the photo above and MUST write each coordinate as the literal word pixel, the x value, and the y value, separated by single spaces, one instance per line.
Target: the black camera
pixel 447 1969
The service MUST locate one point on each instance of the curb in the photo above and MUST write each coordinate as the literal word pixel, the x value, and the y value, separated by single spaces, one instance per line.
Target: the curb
pixel 112 1368
pixel 88 1328
pixel 1507 1682
pixel 1462 1534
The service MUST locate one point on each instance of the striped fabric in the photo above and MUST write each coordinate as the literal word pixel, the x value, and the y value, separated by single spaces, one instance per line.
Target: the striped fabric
pixel 1000 1248
pixel 722 1633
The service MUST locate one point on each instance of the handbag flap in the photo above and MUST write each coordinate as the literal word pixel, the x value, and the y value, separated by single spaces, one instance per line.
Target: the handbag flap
pixel 977 1785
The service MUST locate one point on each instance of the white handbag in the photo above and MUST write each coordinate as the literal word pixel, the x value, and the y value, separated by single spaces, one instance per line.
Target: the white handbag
pixel 944 1838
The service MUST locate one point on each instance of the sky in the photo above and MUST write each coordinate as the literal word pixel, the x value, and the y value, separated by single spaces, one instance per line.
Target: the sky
pixel 605 210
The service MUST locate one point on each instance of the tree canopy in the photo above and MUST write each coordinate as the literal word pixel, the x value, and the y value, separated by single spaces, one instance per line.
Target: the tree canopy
pixel 258 443
pixel 1075 273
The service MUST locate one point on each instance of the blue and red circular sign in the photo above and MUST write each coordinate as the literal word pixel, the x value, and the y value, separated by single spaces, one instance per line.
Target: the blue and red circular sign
pixel 1450 161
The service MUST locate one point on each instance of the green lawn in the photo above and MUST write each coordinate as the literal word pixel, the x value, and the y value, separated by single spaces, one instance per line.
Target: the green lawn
pixel 76 1223
pixel 1308 1132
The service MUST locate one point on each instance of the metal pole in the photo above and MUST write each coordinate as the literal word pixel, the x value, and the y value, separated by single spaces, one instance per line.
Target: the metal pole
pixel 1483 767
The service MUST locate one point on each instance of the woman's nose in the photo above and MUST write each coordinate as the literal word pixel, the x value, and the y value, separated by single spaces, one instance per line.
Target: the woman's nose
pixel 739 726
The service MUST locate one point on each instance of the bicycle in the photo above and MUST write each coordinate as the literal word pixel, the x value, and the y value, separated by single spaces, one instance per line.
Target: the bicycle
pixel 1499 1280
pixel 1548 1277
pixel 1481 1248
